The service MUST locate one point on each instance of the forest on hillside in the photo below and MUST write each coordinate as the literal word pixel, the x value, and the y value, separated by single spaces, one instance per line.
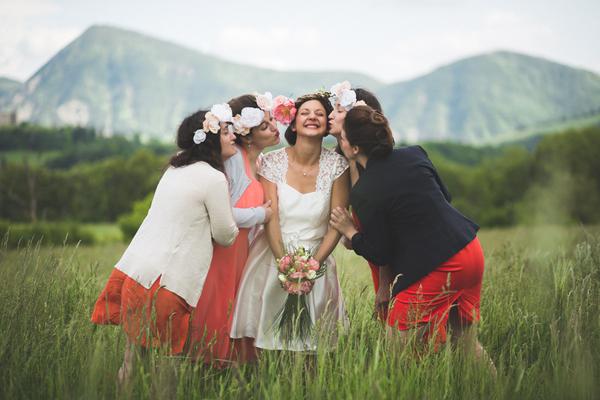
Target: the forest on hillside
pixel 51 175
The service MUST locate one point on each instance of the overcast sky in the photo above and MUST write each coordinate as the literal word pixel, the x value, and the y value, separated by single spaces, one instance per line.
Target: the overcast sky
pixel 389 40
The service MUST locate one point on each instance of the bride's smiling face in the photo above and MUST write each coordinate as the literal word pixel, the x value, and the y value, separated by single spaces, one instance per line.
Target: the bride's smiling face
pixel 311 119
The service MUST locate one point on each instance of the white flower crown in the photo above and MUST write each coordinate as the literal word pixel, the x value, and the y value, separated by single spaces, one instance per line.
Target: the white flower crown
pixel 343 95
pixel 252 117
pixel 212 121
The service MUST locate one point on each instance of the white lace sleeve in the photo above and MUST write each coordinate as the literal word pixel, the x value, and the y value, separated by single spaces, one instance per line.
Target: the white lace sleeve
pixel 333 165
pixel 272 166
pixel 340 166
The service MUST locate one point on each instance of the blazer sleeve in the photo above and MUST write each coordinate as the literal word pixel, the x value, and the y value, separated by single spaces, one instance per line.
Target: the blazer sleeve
pixel 372 242
pixel 222 225
pixel 437 178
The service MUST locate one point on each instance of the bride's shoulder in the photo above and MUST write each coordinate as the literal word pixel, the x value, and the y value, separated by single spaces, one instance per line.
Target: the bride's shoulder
pixel 335 163
pixel 272 165
pixel 274 156
pixel 335 158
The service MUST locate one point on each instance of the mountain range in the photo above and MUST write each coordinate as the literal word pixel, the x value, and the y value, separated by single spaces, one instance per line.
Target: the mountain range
pixel 124 82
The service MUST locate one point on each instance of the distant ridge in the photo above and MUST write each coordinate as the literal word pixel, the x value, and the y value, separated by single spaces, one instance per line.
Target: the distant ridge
pixel 475 99
pixel 8 87
pixel 124 82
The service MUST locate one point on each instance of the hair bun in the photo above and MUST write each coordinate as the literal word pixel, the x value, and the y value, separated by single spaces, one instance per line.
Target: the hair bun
pixel 377 118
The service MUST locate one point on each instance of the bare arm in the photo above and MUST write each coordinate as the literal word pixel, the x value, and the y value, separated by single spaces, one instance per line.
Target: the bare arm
pixel 272 227
pixel 353 172
pixel 340 194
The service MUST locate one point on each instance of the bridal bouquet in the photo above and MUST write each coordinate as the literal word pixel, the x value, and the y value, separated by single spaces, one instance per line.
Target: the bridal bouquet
pixel 297 272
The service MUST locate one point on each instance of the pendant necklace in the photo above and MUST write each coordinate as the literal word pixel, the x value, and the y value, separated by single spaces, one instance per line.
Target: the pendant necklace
pixel 304 172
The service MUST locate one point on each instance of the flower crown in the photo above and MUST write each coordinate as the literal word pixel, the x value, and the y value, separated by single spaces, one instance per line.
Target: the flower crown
pixel 343 95
pixel 251 117
pixel 212 121
pixel 284 109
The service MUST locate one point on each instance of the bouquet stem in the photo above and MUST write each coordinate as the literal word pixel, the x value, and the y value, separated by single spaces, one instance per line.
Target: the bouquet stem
pixel 293 320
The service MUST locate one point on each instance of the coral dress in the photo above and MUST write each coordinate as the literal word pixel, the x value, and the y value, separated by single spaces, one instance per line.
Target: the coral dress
pixel 127 303
pixel 212 317
pixel 159 278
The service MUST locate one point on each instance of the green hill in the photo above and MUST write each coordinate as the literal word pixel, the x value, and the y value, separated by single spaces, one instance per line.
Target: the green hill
pixel 8 87
pixel 121 81
pixel 476 99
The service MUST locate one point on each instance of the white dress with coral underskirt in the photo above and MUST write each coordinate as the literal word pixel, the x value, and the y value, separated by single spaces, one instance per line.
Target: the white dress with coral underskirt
pixel 304 219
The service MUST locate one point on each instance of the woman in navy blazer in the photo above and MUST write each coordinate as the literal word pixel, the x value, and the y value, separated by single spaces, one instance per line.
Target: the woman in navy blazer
pixel 409 225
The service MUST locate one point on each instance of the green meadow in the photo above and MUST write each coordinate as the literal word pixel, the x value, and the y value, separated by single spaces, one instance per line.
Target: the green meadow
pixel 540 325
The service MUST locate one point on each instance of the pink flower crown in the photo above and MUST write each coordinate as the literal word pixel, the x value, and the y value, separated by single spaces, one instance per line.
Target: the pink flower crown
pixel 284 109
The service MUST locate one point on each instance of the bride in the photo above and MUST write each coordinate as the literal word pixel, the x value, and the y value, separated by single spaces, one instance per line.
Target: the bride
pixel 304 182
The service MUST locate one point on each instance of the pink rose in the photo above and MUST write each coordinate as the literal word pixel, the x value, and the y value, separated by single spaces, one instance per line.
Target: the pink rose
pixel 298 287
pixel 306 287
pixel 300 264
pixel 284 110
pixel 291 287
pixel 313 265
pixel 284 263
pixel 297 275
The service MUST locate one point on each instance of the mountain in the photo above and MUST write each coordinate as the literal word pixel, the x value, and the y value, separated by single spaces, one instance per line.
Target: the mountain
pixel 124 82
pixel 8 87
pixel 477 99
pixel 121 82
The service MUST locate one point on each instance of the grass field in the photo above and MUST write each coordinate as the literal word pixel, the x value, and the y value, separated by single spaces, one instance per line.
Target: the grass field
pixel 540 324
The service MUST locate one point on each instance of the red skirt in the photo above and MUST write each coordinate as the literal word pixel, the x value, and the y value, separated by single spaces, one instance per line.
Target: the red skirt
pixel 454 284
pixel 150 317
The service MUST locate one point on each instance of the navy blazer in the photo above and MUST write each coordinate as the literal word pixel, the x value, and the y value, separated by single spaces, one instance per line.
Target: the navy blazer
pixel 406 218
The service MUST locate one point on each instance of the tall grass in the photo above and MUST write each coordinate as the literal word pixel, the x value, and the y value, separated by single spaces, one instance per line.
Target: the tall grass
pixel 540 324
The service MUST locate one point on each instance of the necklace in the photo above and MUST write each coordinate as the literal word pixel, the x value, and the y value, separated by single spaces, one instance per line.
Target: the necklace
pixel 304 171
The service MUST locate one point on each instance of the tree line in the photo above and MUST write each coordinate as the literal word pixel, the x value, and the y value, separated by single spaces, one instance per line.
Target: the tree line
pixel 555 182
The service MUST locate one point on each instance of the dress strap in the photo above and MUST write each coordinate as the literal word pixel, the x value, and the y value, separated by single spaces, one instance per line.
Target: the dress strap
pixel 247 167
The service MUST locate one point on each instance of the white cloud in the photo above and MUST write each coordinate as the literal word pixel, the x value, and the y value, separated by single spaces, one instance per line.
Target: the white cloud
pixel 272 47
pixel 27 39
pixel 27 48
pixel 419 53
pixel 27 8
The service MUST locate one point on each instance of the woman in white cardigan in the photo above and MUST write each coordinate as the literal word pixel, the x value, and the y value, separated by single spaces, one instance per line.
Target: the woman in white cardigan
pixel 158 280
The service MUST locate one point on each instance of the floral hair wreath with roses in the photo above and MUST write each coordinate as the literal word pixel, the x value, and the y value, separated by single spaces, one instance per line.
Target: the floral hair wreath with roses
pixel 251 117
pixel 343 95
pixel 284 108
pixel 212 121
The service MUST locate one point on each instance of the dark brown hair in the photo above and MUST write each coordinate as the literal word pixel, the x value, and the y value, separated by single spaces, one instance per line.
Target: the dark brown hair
pixel 370 131
pixel 369 98
pixel 190 152
pixel 239 103
pixel 322 98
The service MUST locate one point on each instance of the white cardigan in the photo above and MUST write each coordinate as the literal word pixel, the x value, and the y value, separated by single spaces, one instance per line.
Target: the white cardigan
pixel 190 207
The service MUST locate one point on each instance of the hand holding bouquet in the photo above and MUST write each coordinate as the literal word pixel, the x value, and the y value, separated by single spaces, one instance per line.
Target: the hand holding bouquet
pixel 297 272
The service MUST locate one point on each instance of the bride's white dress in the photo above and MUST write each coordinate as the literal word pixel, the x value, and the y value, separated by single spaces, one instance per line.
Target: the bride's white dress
pixel 304 219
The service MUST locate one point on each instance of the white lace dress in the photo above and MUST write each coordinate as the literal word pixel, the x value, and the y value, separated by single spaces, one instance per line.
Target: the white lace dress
pixel 304 219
